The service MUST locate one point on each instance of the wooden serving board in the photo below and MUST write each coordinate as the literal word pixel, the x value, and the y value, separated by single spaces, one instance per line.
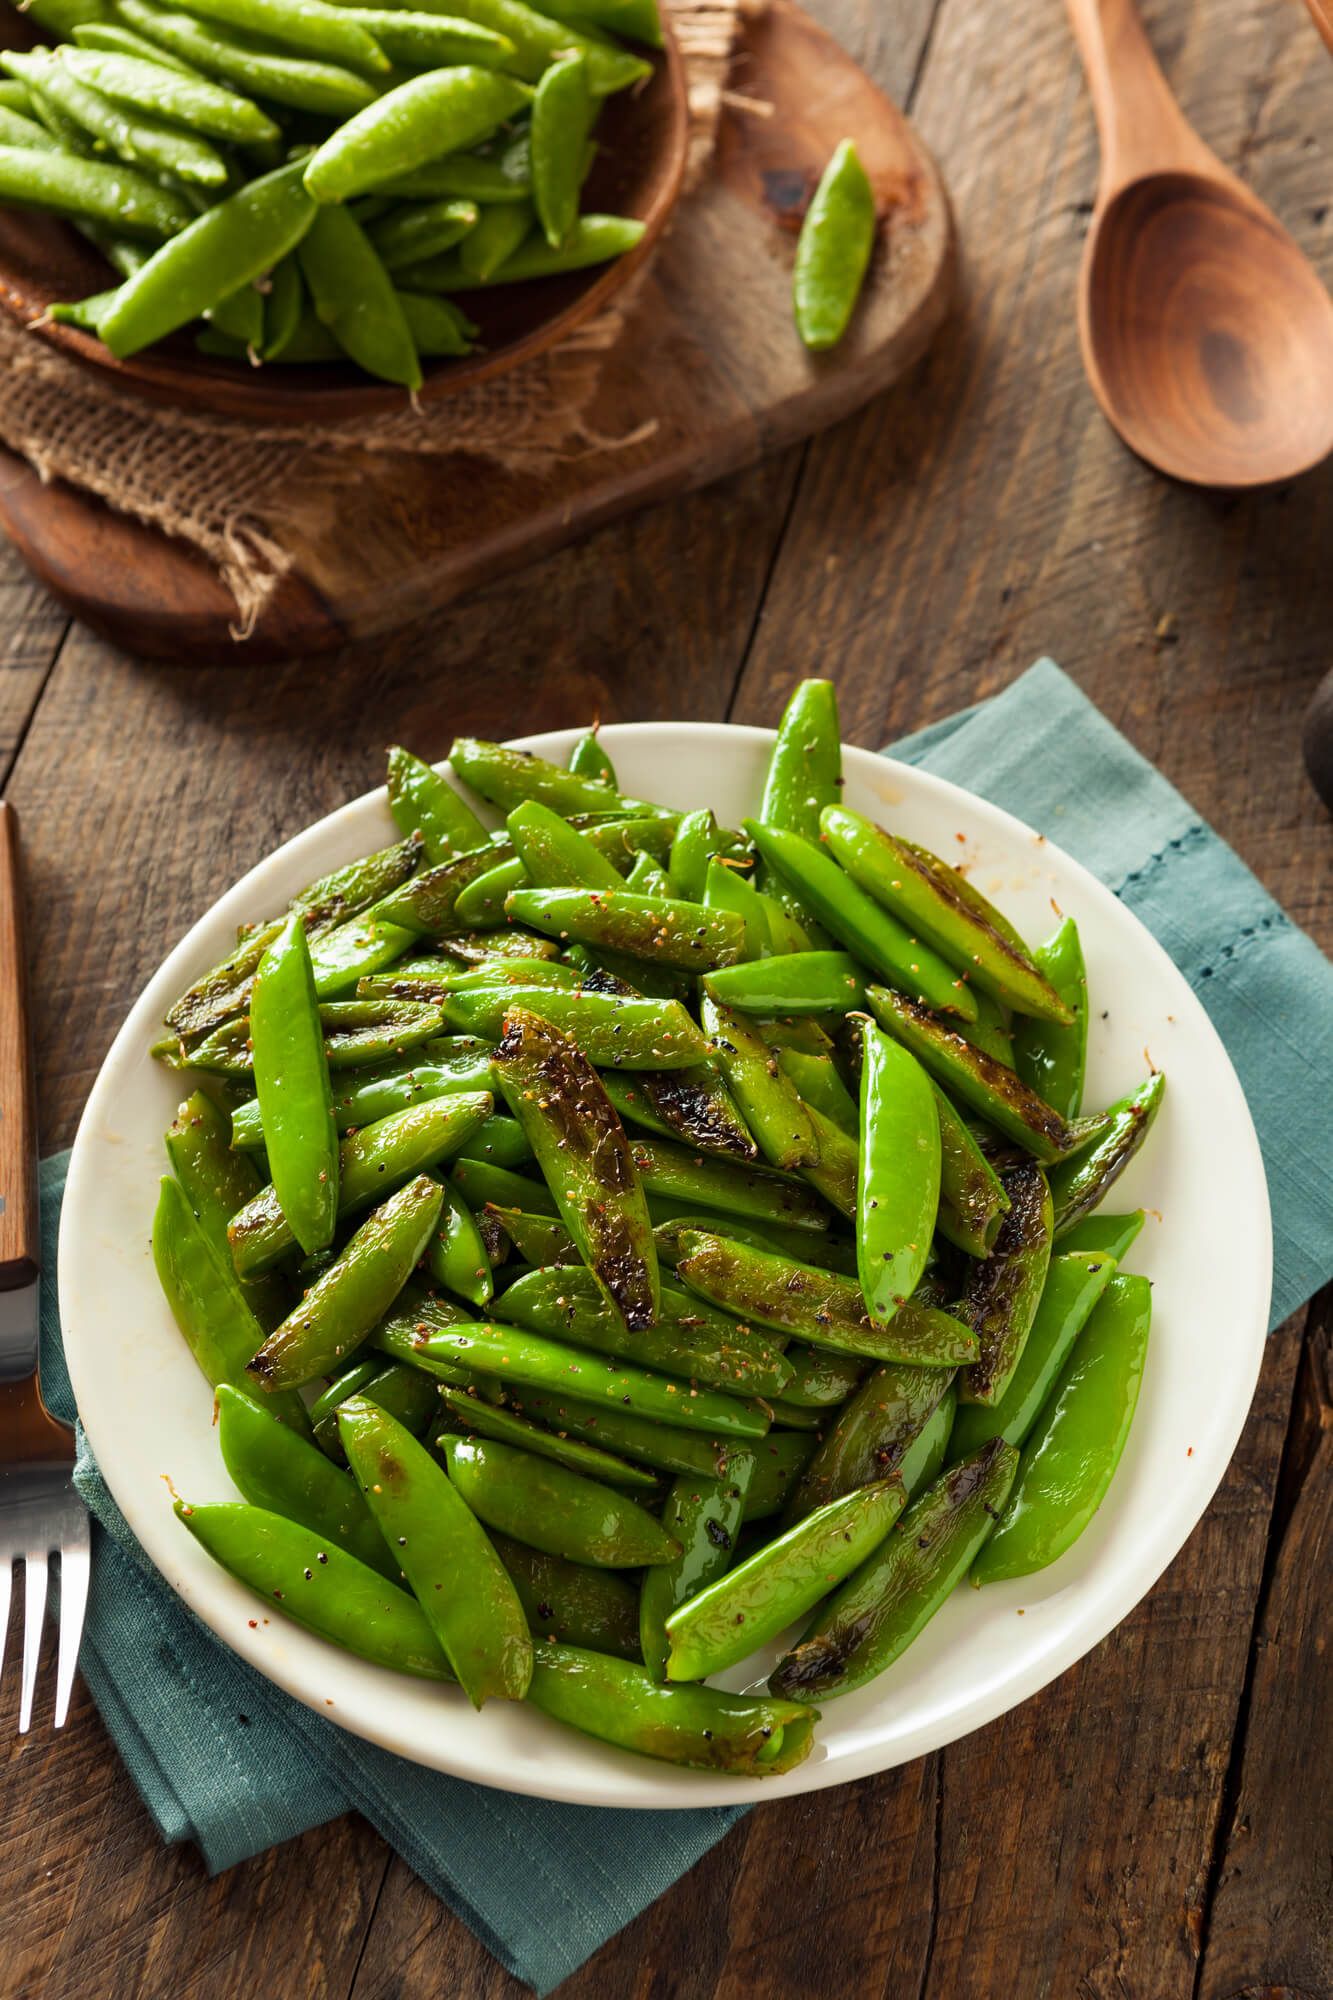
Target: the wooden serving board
pixel 709 357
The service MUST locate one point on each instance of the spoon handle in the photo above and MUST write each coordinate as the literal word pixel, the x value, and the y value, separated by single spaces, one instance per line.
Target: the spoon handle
pixel 1140 125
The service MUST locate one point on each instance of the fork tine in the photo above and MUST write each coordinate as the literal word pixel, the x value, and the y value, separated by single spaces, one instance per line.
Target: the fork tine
pixel 34 1611
pixel 6 1591
pixel 75 1566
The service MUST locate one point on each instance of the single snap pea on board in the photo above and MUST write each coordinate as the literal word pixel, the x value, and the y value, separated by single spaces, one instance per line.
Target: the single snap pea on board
pixel 799 982
pixel 354 298
pixel 1071 1456
pixel 581 1148
pixel 137 137
pixel 898 1191
pixel 1112 1236
pixel 456 1577
pixel 1073 1286
pixel 972 1197
pixel 562 118
pixel 126 200
pixel 886 1603
pixel 701 1727
pixel 805 770
pixel 612 1031
pixel 746 1607
pixel 930 900
pixel 986 1086
pixel 1079 1184
pixel 293 1090
pixel 570 1603
pixel 318 1585
pixel 421 800
pixel 442 111
pixel 457 1255
pixel 818 1306
pixel 663 930
pixel 833 250
pixel 512 1354
pixel 302 84
pixel 163 90
pixel 867 930
pixel 699 1180
pixel 274 1468
pixel 344 1303
pixel 372 1163
pixel 705 1517
pixel 427 905
pixel 303 25
pixel 471 1413
pixel 551 1508
pixel 226 247
pixel 692 1106
pixel 1051 1056
pixel 768 1100
pixel 870 1435
pixel 1002 1294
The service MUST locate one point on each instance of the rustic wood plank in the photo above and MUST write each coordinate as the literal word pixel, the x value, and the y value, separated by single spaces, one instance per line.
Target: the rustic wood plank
pixel 32 626
pixel 1271 1918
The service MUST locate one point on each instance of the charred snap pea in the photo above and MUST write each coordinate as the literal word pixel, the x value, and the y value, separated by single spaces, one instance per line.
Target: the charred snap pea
pixel 554 854
pixel 293 1091
pixel 1071 1456
pixel 820 1379
pixel 554 1509
pixel 690 1105
pixel 818 1306
pixel 806 1246
pixel 836 1168
pixel 642 1439
pixel 885 1604
pixel 538 1239
pixel 1079 1184
pixel 422 801
pixel 1073 1286
pixel 867 930
pixel 817 1081
pixel 427 906
pixel 921 1462
pixel 1051 1056
pixel 590 759
pixel 1002 1294
pixel 611 1031
pixel 742 1610
pixel 506 777
pixel 805 770
pixel 343 1304
pixel 763 1196
pixel 580 1144
pixel 800 982
pixel 899 1187
pixel 319 1585
pixel 778 1462
pixel 365 1096
pixel 217 1182
pixel 972 1198
pixel 274 1468
pixel 479 1183
pixel 698 1726
pixel 472 1413
pixel 408 1394
pixel 870 1436
pixel 1110 1236
pixel 458 1580
pixel 571 1603
pixel 768 1099
pixel 991 1090
pixel 704 1516
pixel 457 1255
pixel 663 930
pixel 413 1316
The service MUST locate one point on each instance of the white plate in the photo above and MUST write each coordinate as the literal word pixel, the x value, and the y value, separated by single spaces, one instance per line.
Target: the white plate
pixel 1206 1247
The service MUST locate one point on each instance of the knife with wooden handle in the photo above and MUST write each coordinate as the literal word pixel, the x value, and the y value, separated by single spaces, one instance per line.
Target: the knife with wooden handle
pixel 20 1248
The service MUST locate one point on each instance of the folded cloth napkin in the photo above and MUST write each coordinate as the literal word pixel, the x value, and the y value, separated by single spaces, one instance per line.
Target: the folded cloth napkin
pixel 224 1759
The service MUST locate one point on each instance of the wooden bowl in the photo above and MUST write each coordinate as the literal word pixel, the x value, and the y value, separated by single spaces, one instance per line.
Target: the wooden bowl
pixel 642 137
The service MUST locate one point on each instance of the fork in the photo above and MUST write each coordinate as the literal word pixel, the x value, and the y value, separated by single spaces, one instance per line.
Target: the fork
pixel 40 1513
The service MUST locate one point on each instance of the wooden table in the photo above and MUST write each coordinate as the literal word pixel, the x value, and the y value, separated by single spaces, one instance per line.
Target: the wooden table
pixel 1154 1825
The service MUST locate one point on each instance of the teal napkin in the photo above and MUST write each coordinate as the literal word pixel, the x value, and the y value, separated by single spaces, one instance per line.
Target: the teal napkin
pixel 224 1759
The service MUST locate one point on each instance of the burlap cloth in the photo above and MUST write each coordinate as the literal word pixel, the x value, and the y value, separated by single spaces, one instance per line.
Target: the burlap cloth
pixel 207 479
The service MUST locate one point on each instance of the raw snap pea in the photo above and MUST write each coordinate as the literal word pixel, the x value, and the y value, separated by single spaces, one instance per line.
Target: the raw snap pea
pixel 1071 1456
pixel 1079 1184
pixel 63 17
pixel 871 1436
pixel 769 1101
pixel 867 930
pixel 898 1191
pixel 594 239
pixel 110 38
pixel 1110 1236
pixel 457 1578
pixel 473 1413
pixel 128 201
pixel 16 130
pixel 972 1199
pixel 274 1468
pixel 637 20
pixel 704 1515
pixel 756 1193
pixel 442 111
pixel 293 1090
pixel 778 1462
pixel 996 1093
pixel 805 770
pixel 436 326
pixel 833 250
pixel 885 1604
pixel 801 982
pixel 226 247
pixel 570 1603
pixel 163 90
pixel 320 1586
pixel 1050 1056
pixel 284 308
pixel 697 1726
pixel 1002 1294
pixel 742 1610
pixel 690 1105
pixel 354 298
pixel 344 1303
pixel 554 1509
pixel 304 25
pixel 457 1255
pixel 136 137
pixel 420 799
pixel 614 1033
pixel 662 930
pixel 372 1163
pixel 540 41
pixel 562 118
pixel 423 229
pixel 240 318
pixel 818 1306
pixel 1073 1286
pixel 362 1097
pixel 426 40
pixel 304 85
pixel 580 1145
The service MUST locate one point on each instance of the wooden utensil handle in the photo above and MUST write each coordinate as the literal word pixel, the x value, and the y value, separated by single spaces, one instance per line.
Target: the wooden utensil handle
pixel 1141 127
pixel 20 1248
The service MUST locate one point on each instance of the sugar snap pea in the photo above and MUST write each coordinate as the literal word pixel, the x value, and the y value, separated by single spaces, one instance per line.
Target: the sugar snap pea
pixel 833 250
pixel 1110 1236
pixel 473 1414
pixel 835 1169
pixel 570 1603
pixel 421 229
pixel 164 90
pixel 119 196
pixel 298 82
pixel 802 982
pixel 820 1379
pixel 442 111
pixel 362 1097
pixel 972 1197
pixel 293 1091
pixel 27 136
pixel 457 1255
pixel 538 41
pixel 898 1191
pixel 704 1516
pixel 807 1246
pixel 690 1105
pixel 420 799
pixel 354 297
pixel 562 118
pixel 805 770
pixel 1002 1294
pixel 727 887
pixel 551 1508
pixel 642 1439
pixel 304 25
pixel 137 136
pixel 273 1467
pixel 217 1182
pixel 632 1033
pixel 1051 1056
pixel 590 758
pixel 409 1395
pixel 871 1435
pixel 663 930
pixel 1072 1288
pixel 778 1462
pixel 767 1098
pixel 423 38
pixel 554 854
pixel 594 239
pixel 1080 1183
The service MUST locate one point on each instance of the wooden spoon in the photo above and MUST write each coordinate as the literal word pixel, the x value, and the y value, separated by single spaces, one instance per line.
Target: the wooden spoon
pixel 1322 16
pixel 1206 334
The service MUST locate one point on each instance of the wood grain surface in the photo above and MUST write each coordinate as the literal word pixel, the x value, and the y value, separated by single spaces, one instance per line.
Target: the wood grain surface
pixel 1154 1825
